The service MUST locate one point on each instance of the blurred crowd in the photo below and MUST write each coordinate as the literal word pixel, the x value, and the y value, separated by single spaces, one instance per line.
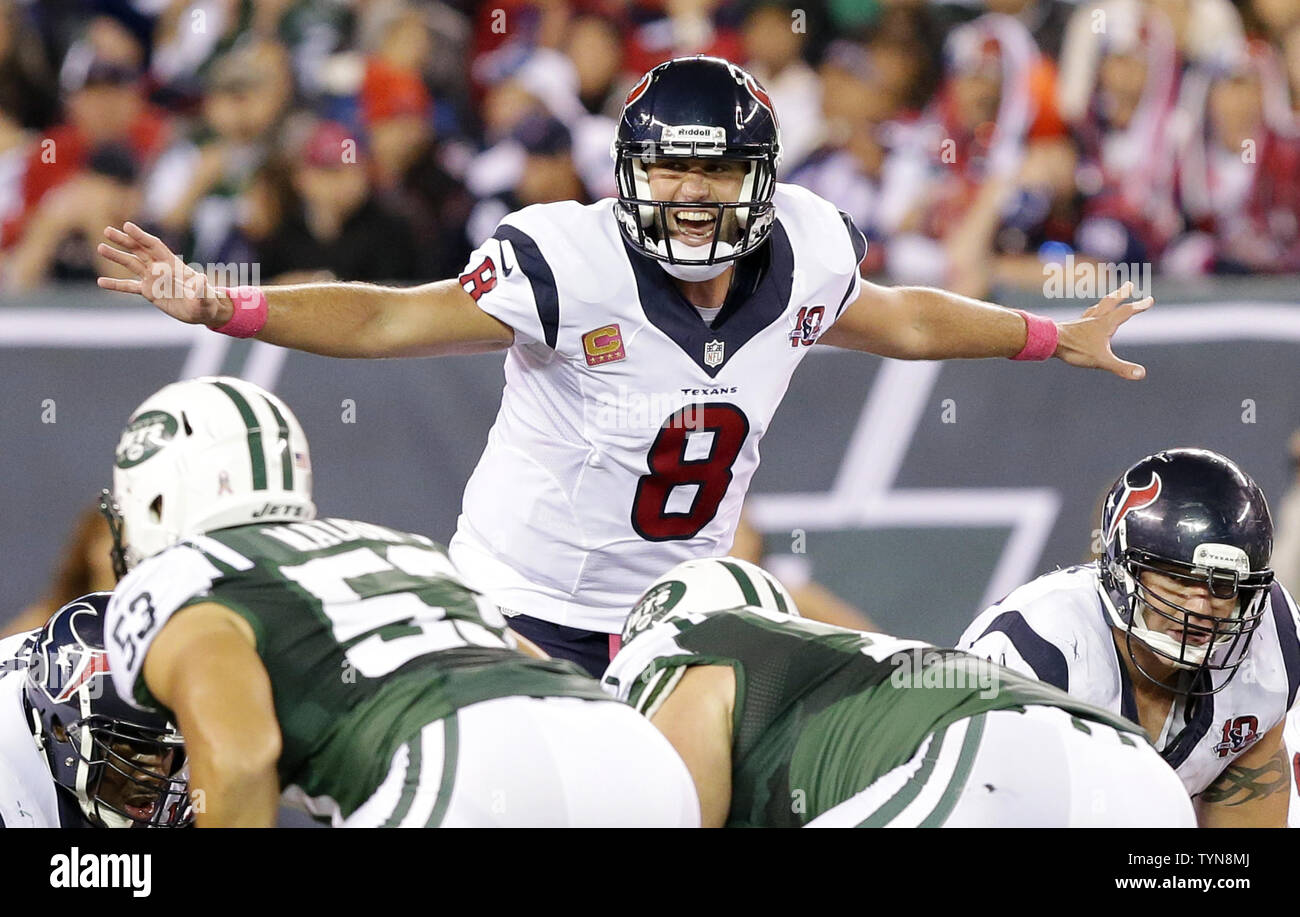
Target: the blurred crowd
pixel 973 142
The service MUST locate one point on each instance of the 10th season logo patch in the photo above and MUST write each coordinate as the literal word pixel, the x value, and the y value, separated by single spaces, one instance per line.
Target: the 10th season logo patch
pixel 144 436
pixel 603 345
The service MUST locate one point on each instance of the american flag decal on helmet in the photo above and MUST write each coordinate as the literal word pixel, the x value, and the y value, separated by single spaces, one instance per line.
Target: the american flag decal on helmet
pixel 1135 498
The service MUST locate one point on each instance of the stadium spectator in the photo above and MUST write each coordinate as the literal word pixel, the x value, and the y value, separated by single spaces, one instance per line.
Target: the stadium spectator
pixel 547 174
pixel 1271 19
pixel 15 147
pixel 340 228
pixel 995 113
pixel 1238 177
pixel 1045 20
pixel 544 83
pixel 191 37
pixel 27 86
pixel 193 192
pixel 409 173
pixel 59 240
pixel 106 105
pixel 853 167
pixel 683 27
pixel 1290 47
pixel 774 54
pixel 595 47
pixel 1201 27
pixel 1117 91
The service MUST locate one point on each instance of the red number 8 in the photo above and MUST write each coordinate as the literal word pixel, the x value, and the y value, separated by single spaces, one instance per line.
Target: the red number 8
pixel 670 468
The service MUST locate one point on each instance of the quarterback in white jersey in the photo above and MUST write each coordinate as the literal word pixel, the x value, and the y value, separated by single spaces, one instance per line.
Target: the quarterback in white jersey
pixel 651 338
pixel 72 753
pixel 1179 627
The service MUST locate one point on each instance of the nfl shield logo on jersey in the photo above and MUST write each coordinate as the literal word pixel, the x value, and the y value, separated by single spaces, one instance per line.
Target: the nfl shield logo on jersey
pixel 713 353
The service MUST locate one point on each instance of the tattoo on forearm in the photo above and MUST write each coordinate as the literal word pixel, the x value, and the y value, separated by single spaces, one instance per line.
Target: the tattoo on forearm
pixel 1239 784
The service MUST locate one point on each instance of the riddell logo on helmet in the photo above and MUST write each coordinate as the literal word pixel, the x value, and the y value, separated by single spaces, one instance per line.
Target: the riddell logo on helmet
pixel 677 133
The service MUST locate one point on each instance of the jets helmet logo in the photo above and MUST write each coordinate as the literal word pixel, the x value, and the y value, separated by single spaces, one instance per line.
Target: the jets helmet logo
pixel 144 436
pixel 653 605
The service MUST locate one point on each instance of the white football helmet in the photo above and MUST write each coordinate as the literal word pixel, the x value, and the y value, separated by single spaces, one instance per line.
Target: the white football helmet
pixel 206 454
pixel 704 585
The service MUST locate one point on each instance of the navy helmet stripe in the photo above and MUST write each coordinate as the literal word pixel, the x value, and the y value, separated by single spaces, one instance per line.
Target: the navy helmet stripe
pixel 540 277
pixel 1046 659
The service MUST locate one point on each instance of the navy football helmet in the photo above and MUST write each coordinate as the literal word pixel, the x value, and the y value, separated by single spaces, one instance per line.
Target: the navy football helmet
pixel 1192 516
pixel 122 767
pixel 697 107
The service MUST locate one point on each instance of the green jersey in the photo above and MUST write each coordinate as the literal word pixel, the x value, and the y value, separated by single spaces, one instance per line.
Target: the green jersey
pixel 367 634
pixel 822 712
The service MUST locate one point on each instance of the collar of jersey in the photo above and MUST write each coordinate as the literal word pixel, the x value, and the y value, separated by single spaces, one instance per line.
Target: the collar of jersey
pixel 759 295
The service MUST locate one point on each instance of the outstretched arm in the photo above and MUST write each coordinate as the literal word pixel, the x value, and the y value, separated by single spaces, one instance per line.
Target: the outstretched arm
pixel 331 319
pixel 919 323
pixel 203 667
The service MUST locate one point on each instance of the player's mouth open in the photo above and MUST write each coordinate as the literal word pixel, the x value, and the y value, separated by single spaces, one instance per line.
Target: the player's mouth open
pixel 1194 637
pixel 144 811
pixel 695 226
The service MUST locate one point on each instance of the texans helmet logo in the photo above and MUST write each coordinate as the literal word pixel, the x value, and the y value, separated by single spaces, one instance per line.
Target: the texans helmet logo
pixel 637 91
pixel 1134 498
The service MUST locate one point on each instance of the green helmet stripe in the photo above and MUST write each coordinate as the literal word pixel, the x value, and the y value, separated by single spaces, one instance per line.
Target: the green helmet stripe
pixel 409 784
pixel 776 592
pixel 255 453
pixel 286 459
pixel 746 585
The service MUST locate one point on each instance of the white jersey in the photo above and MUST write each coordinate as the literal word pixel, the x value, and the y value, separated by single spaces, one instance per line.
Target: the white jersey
pixel 1056 629
pixel 629 427
pixel 28 798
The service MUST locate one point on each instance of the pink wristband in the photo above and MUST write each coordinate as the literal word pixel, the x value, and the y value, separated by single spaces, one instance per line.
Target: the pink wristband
pixel 1040 338
pixel 250 311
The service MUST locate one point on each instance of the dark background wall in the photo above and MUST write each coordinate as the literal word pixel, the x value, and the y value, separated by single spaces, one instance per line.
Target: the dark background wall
pixel 912 518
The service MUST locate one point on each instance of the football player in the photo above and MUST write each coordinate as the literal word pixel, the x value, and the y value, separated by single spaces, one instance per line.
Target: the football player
pixel 786 722
pixel 650 340
pixel 340 662
pixel 73 753
pixel 1179 626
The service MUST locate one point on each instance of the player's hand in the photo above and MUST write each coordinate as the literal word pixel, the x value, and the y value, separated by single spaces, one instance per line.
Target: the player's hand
pixel 161 277
pixel 1085 341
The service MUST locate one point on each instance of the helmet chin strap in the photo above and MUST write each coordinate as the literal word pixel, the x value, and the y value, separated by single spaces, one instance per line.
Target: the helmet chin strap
pixel 687 253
